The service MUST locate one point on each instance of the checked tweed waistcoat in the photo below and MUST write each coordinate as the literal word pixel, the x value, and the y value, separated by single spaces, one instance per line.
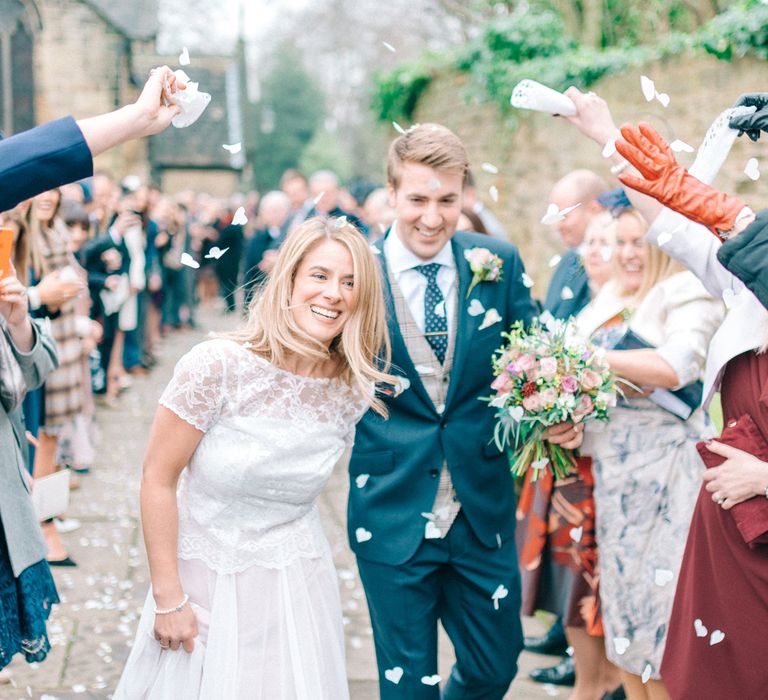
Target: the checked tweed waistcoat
pixel 436 378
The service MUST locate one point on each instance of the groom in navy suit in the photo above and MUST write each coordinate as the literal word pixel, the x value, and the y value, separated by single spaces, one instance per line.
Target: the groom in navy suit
pixel 432 505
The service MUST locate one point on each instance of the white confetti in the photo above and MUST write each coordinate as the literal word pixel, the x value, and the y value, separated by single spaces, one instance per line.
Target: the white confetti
pixel 752 169
pixel 393 675
pixel 539 463
pixel 493 192
pixel 184 57
pixel 648 88
pixel 566 294
pixel 620 644
pixel 679 146
pixel 232 147
pixel 340 222
pixel 663 98
pixel 554 214
pixel 389 46
pixel 490 168
pixel 430 680
pixel 491 318
pixel 375 250
pixel 240 219
pixel 440 309
pixel 361 480
pixel 432 532
pixel 475 308
pixel 398 128
pixel 609 149
pixel 646 673
pixel 189 261
pixel 516 413
pixel 527 281
pixel 554 261
pixel 698 626
pixel 716 637
pixel 661 577
pixel 79 688
pixel 362 535
pixel 500 593
pixel 576 533
pixel 215 253
pixel 317 199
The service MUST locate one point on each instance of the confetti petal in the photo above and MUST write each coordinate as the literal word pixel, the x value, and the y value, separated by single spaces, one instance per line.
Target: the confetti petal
pixel 240 219
pixel 661 577
pixel 620 644
pixel 500 593
pixel 184 57
pixel 393 675
pixel 440 309
pixel 432 531
pixel 215 253
pixel 648 88
pixel 491 318
pixel 527 281
pixel 554 261
pixel 609 149
pixel 362 535
pixel 698 626
pixel 398 128
pixel 752 170
pixel 490 168
pixel 716 637
pixel 646 676
pixel 566 294
pixel 361 480
pixel 475 308
pixel 232 147
pixel 189 261
pixel 430 680
pixel 681 146
pixel 576 533
pixel 663 98
pixel 389 46
pixel 493 192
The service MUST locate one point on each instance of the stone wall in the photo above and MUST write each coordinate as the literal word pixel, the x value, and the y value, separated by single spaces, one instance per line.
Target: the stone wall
pixel 82 68
pixel 543 148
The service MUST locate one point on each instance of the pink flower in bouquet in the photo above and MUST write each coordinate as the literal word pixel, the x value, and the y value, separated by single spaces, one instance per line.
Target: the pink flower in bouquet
pixel 590 379
pixel 569 384
pixel 547 367
pixel 585 406
pixel 526 362
pixel 548 397
pixel 503 383
pixel 533 403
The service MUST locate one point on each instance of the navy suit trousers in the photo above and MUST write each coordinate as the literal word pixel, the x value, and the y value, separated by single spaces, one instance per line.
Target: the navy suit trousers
pixel 453 580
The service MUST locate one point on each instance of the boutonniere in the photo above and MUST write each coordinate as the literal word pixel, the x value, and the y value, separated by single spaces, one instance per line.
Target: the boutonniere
pixel 485 266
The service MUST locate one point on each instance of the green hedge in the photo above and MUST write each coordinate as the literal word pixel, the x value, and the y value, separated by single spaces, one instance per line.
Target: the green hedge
pixel 536 45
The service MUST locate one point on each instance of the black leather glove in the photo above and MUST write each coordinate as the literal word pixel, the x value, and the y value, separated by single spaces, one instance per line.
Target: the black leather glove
pixel 752 124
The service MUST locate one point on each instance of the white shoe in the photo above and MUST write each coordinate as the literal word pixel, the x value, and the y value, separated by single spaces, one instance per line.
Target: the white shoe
pixel 66 525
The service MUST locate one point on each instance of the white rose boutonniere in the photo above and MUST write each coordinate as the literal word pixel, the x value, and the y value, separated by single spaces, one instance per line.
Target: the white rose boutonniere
pixel 485 266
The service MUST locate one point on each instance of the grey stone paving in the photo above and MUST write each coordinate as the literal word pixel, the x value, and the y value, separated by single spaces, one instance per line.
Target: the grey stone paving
pixel 92 630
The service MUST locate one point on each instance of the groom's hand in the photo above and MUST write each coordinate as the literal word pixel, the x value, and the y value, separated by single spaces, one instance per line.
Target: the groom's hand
pixel 568 435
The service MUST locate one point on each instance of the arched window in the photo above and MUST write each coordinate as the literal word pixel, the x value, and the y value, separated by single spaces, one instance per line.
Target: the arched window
pixel 19 19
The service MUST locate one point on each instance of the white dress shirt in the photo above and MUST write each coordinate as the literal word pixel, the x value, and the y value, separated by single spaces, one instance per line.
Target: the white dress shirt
pixel 413 284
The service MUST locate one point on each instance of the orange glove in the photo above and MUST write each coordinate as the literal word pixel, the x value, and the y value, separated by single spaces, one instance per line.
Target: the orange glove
pixel 671 184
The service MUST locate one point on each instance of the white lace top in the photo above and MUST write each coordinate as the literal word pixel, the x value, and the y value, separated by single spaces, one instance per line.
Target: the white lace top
pixel 271 440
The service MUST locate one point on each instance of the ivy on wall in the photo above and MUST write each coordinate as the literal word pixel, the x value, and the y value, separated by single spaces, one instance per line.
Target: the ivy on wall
pixel 536 45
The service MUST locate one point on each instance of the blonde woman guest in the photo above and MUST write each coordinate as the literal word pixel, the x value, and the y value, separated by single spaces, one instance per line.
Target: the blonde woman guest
pixel 645 462
pixel 63 395
pixel 244 600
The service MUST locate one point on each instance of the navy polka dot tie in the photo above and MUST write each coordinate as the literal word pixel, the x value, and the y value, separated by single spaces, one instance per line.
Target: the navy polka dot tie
pixel 435 320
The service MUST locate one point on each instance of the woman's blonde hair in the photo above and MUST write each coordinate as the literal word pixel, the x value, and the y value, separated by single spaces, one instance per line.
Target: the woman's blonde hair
pixel 658 265
pixel 38 237
pixel 363 346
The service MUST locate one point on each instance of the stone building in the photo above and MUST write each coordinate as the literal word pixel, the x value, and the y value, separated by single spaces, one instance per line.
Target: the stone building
pixel 87 57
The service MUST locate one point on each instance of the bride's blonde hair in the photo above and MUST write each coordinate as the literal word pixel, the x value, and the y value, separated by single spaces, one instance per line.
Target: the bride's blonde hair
pixel 363 346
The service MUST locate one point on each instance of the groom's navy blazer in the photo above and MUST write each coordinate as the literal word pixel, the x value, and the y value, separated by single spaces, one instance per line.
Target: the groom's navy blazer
pixel 403 455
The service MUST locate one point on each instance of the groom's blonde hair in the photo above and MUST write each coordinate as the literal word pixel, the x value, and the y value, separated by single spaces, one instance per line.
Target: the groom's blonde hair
pixel 363 346
pixel 432 145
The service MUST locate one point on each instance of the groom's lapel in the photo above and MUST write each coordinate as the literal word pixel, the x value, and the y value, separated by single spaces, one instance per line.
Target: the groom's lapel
pixel 401 358
pixel 464 322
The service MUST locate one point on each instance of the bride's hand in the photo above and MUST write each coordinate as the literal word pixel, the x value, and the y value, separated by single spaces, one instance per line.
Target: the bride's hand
pixel 177 629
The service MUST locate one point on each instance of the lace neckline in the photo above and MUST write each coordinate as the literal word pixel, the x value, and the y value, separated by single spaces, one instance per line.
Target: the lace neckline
pixel 292 375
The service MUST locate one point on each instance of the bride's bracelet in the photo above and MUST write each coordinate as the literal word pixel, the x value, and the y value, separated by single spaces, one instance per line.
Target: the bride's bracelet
pixel 173 610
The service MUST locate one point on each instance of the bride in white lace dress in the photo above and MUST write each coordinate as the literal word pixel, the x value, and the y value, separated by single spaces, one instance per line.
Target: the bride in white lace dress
pixel 244 600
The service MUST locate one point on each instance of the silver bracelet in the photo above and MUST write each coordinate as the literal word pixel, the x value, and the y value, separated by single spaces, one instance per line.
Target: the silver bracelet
pixel 619 167
pixel 173 610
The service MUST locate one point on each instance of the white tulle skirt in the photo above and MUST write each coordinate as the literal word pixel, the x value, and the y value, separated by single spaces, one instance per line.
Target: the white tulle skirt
pixel 264 634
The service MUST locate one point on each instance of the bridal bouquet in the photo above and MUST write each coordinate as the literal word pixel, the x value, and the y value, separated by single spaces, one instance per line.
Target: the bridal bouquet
pixel 545 375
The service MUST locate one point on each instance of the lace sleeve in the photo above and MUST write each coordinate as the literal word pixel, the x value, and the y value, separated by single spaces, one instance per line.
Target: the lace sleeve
pixel 195 393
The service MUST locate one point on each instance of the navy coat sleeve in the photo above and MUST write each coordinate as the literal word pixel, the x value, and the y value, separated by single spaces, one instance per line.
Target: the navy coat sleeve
pixel 40 159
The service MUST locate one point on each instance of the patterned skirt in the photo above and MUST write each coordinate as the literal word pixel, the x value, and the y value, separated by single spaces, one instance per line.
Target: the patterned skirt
pixel 557 549
pixel 25 604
